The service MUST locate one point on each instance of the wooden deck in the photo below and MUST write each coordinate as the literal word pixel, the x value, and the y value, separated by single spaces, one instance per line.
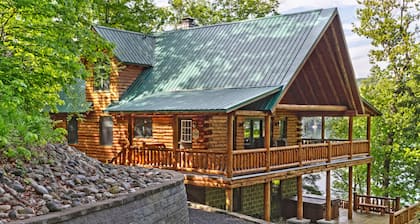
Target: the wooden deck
pixel 242 162
pixel 362 218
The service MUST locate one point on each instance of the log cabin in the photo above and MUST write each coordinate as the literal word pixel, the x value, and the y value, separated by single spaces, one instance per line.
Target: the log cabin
pixel 223 104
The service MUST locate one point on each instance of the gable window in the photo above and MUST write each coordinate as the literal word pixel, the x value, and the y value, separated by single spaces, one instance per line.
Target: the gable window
pixel 106 135
pixel 186 131
pixel 72 131
pixel 101 74
pixel 143 127
pixel 253 133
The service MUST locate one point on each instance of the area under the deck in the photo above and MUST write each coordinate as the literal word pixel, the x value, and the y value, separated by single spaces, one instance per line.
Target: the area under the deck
pixel 358 218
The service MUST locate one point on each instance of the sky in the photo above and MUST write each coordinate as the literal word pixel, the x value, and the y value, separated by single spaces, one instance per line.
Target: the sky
pixel 358 46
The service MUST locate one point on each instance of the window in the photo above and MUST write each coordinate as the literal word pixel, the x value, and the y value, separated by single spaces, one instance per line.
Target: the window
pixel 143 128
pixel 106 130
pixel 186 131
pixel 253 133
pixel 282 141
pixel 101 74
pixel 72 129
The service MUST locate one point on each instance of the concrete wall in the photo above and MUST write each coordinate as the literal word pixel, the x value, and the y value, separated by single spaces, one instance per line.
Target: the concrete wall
pixel 161 204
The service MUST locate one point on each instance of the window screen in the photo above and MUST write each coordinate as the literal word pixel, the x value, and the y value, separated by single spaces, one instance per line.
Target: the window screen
pixel 72 131
pixel 143 128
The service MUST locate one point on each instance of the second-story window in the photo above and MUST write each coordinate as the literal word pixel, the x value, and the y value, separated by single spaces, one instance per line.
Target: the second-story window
pixel 101 74
pixel 143 127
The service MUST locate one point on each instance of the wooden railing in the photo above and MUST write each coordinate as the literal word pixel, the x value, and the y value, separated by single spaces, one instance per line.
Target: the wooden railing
pixel 254 160
pixel 201 161
pixel 409 214
pixel 243 161
pixel 375 203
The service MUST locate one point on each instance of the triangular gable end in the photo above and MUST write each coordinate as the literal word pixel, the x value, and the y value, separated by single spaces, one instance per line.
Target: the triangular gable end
pixel 327 76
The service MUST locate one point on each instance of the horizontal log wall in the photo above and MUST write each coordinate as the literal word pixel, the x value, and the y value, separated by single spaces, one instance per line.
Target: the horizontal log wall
pixel 293 127
pixel 89 125
pixel 161 130
pixel 217 133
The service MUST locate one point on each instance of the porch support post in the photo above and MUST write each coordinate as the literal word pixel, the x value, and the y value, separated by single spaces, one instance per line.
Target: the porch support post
pixel 175 142
pixel 323 128
pixel 299 198
pixel 368 126
pixel 229 199
pixel 130 128
pixel 368 176
pixel 350 134
pixel 267 131
pixel 229 171
pixel 350 208
pixel 267 201
pixel 328 196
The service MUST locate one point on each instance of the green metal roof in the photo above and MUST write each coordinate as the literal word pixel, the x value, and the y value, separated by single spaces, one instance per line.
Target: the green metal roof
pixel 214 100
pixel 74 98
pixel 130 47
pixel 258 53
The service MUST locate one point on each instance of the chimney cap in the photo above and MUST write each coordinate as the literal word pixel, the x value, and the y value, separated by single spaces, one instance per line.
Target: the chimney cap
pixel 188 22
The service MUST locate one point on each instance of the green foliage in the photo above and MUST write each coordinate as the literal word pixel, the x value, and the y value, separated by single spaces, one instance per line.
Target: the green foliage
pixel 42 46
pixel 394 88
pixel 135 15
pixel 212 12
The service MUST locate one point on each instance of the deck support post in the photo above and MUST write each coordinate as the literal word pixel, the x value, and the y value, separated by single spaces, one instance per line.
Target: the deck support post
pixel 368 128
pixel 175 142
pixel 267 201
pixel 368 175
pixel 323 128
pixel 229 199
pixel 328 196
pixel 350 208
pixel 229 171
pixel 299 198
pixel 350 134
pixel 267 131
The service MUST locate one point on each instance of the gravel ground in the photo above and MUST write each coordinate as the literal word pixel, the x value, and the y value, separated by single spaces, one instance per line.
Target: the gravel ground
pixel 61 177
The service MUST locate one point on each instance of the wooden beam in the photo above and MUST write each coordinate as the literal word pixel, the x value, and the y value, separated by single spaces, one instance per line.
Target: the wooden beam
pixel 350 134
pixel 343 67
pixel 250 113
pixel 230 136
pixel 368 176
pixel 335 64
pixel 229 199
pixel 350 192
pixel 313 95
pixel 267 201
pixel 297 107
pixel 267 137
pixel 318 80
pixel 323 128
pixel 131 128
pixel 319 55
pixel 299 198
pixel 175 137
pixel 328 196
pixel 368 128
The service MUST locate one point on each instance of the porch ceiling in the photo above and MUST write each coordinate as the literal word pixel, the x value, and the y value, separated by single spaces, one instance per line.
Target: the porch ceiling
pixel 327 77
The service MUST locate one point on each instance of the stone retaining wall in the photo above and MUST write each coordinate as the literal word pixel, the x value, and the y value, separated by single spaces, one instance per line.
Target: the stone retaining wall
pixel 164 203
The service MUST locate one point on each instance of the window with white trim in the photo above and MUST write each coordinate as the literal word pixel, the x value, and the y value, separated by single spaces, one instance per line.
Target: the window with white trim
pixel 186 131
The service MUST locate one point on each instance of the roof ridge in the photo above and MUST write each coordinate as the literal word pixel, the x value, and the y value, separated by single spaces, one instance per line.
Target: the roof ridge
pixel 239 21
pixel 122 30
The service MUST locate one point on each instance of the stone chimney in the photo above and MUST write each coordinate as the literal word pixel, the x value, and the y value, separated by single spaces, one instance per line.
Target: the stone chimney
pixel 187 23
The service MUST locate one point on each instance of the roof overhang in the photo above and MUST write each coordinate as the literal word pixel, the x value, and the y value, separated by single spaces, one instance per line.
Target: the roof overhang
pixel 212 100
